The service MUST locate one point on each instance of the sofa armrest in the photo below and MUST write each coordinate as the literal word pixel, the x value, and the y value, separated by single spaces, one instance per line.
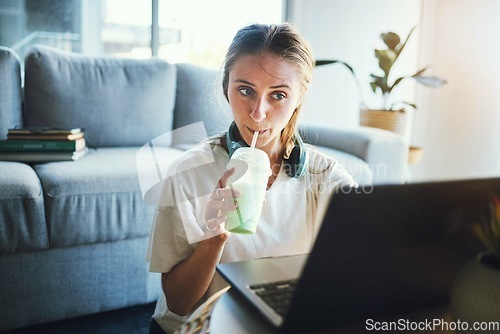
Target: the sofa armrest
pixel 385 152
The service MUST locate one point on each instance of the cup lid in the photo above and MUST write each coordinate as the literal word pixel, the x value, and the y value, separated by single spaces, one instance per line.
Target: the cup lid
pixel 245 155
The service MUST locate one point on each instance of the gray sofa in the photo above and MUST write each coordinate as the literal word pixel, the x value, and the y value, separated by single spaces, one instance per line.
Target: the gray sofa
pixel 73 235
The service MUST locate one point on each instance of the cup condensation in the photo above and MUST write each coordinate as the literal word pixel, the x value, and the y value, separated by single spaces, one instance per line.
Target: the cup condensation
pixel 252 185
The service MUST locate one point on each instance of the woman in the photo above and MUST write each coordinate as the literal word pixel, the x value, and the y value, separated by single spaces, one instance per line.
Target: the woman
pixel 266 74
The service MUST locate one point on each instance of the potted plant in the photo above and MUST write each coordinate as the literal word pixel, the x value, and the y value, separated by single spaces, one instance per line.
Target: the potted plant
pixel 475 295
pixel 388 114
pixel 488 231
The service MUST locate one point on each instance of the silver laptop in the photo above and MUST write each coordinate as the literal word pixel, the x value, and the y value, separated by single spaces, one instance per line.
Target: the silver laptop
pixel 390 251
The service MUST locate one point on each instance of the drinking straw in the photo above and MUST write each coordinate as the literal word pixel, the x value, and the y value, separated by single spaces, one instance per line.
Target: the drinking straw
pixel 254 139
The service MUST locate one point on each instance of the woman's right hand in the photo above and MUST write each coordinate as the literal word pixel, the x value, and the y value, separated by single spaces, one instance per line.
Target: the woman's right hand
pixel 220 201
pixel 189 280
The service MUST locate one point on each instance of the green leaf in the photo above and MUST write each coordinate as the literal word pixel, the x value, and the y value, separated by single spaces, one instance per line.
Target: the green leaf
pixel 379 82
pixel 480 233
pixel 413 105
pixel 334 61
pixel 488 229
pixel 420 72
pixel 398 80
pixel 391 39
pixel 386 59
pixel 496 204
pixel 426 81
pixel 430 81
pixel 494 223
pixel 401 47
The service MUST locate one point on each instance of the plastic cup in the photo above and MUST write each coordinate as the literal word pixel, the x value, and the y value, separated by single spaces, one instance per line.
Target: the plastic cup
pixel 252 184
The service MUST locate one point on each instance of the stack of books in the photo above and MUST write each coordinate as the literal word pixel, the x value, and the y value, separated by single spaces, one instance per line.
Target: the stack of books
pixel 37 144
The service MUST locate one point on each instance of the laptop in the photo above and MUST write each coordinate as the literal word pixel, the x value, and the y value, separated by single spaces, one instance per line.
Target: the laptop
pixel 389 250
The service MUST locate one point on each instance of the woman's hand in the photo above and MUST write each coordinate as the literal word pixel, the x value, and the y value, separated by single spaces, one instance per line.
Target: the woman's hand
pixel 188 281
pixel 221 200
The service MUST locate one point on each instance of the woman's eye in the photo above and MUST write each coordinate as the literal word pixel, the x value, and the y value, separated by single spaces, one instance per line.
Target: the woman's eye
pixel 278 96
pixel 246 91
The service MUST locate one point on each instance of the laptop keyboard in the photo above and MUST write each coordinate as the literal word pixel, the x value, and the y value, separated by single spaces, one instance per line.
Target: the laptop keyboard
pixel 276 294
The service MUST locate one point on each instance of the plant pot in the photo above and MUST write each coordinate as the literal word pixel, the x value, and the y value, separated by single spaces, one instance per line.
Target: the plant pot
pixel 392 120
pixel 475 294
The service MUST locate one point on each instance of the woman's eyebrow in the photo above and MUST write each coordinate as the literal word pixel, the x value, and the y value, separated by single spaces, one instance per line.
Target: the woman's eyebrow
pixel 253 85
pixel 245 82
pixel 281 86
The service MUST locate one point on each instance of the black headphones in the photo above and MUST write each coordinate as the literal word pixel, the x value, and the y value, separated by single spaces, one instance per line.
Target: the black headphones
pixel 296 164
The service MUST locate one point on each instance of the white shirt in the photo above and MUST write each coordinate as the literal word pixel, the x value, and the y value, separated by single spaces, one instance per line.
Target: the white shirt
pixel 290 218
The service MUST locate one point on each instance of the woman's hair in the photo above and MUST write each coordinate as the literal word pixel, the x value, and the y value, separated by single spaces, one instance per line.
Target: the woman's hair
pixel 282 40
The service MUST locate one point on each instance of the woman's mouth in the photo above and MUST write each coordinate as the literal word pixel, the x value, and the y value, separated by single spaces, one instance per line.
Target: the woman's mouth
pixel 261 131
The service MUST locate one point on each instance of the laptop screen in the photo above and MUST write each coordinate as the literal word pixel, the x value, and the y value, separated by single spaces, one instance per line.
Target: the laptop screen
pixel 388 251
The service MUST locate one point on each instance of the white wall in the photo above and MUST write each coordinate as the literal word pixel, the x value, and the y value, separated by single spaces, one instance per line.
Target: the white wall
pixel 350 31
pixel 458 125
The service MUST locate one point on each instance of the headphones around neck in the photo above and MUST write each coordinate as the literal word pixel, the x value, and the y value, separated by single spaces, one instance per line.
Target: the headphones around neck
pixel 296 164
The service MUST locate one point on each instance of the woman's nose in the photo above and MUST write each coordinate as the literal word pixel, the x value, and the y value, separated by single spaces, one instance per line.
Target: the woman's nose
pixel 260 110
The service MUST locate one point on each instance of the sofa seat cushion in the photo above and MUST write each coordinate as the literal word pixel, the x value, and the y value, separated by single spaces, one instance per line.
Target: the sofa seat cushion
pixel 22 222
pixel 359 169
pixel 97 198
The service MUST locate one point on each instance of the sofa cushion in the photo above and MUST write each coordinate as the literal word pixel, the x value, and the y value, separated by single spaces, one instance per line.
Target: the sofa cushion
pixel 22 221
pixel 199 98
pixel 97 198
pixel 10 91
pixel 119 102
pixel 359 169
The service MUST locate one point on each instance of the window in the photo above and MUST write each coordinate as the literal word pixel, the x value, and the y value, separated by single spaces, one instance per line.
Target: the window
pixel 28 22
pixel 199 32
pixel 194 31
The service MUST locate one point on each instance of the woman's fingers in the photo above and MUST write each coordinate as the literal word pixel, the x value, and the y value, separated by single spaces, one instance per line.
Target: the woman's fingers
pixel 221 200
pixel 224 194
pixel 222 204
pixel 227 174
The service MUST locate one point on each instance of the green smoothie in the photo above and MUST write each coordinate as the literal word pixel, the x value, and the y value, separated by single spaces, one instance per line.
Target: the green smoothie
pixel 252 185
pixel 245 218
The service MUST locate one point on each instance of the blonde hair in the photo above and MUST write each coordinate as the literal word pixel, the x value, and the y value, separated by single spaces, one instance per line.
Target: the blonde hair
pixel 284 41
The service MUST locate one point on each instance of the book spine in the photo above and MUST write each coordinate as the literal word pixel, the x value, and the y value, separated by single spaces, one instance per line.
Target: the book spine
pixel 35 146
pixel 43 131
pixel 11 136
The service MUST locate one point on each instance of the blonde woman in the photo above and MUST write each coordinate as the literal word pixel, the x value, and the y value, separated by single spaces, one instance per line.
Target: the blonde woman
pixel 266 74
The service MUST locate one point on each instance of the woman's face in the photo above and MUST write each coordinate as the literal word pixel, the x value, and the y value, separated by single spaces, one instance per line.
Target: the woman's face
pixel 263 91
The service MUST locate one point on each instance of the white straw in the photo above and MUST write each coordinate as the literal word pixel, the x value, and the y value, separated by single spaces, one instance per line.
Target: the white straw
pixel 254 139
